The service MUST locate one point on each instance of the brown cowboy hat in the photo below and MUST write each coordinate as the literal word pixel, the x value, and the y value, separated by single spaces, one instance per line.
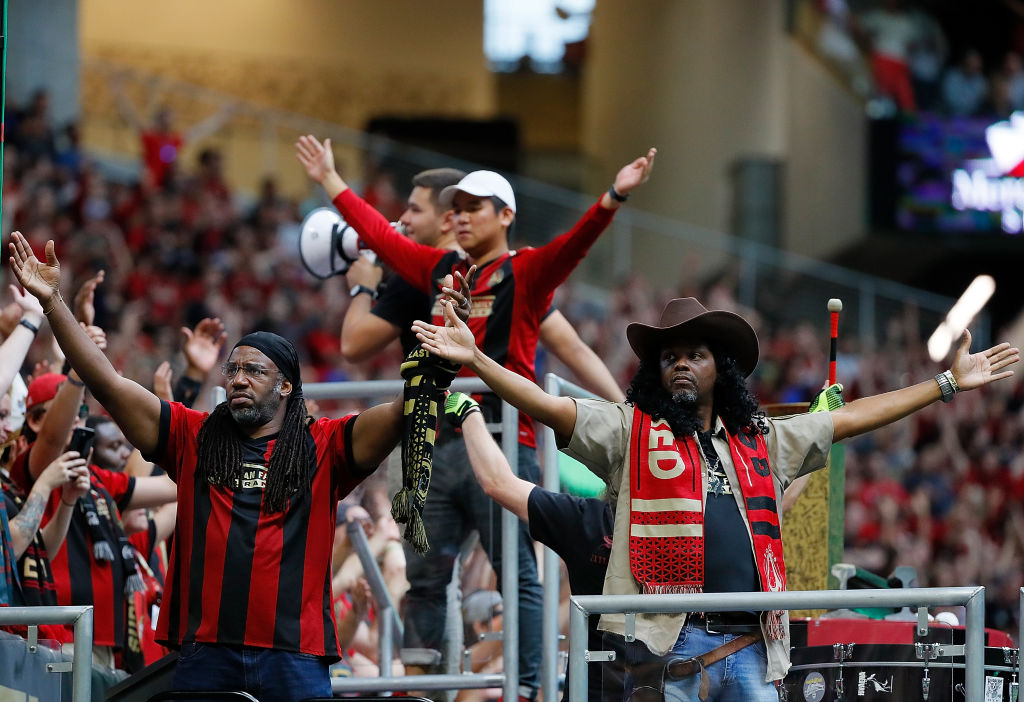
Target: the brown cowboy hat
pixel 685 317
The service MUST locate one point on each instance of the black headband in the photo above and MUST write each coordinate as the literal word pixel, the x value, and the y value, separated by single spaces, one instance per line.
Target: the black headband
pixel 280 351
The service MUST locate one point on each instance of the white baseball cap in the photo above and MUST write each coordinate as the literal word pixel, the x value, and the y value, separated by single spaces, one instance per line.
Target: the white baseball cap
pixel 480 184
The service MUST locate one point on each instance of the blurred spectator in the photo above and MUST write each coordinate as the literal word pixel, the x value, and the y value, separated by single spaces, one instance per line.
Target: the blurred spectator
pixel 1008 86
pixel 889 33
pixel 965 88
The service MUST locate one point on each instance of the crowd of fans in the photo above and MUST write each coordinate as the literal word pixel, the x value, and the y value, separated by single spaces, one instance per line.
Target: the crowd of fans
pixel 898 53
pixel 940 492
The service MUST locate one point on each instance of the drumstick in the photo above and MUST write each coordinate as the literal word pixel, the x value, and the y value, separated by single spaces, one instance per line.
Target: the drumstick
pixel 835 306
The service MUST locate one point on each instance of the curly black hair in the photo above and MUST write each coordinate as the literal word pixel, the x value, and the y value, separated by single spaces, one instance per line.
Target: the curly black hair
pixel 733 401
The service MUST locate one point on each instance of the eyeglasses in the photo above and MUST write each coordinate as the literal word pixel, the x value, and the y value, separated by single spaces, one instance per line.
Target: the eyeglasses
pixel 255 372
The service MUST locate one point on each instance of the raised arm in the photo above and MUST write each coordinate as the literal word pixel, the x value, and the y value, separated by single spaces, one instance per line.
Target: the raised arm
pixel 364 334
pixel 969 371
pixel 135 409
pixel 68 471
pixel 559 337
pixel 52 437
pixel 455 342
pixel 489 464
pixel 413 262
pixel 552 263
pixel 16 345
pixel 212 124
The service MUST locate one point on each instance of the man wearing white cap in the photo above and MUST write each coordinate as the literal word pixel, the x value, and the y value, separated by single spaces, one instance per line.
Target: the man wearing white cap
pixel 511 294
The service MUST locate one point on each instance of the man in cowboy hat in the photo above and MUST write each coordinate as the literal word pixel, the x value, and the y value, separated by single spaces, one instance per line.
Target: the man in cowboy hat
pixel 697 472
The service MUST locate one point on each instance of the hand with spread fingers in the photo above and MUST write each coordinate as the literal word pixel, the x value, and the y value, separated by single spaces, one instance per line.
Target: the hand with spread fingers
pixel 972 370
pixel 317 158
pixel 41 279
pixel 203 345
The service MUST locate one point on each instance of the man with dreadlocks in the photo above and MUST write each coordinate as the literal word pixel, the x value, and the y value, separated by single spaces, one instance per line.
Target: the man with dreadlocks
pixel 697 472
pixel 248 597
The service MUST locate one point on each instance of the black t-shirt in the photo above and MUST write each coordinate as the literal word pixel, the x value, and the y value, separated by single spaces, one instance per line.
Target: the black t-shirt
pixel 579 530
pixel 728 558
pixel 401 304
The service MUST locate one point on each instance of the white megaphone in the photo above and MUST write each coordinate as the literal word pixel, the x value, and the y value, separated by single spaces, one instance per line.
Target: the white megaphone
pixel 328 245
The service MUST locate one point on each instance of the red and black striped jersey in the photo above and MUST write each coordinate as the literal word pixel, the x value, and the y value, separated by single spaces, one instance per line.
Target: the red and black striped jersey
pixel 80 578
pixel 511 295
pixel 241 577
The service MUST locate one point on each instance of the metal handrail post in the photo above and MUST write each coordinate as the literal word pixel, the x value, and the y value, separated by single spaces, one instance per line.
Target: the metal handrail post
pixel 510 561
pixel 577 658
pixel 385 642
pixel 81 616
pixel 973 597
pixel 557 386
pixel 81 659
pixel 974 670
pixel 373 575
pixel 1020 620
pixel 552 573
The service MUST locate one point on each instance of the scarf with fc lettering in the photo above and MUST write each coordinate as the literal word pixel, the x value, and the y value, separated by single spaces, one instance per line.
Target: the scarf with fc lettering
pixel 666 517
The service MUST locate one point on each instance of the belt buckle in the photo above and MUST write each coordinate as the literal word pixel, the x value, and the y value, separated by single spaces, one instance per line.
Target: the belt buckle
pixel 709 627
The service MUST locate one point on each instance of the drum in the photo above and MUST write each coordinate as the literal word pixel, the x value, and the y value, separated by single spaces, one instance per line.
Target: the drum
pixel 891 672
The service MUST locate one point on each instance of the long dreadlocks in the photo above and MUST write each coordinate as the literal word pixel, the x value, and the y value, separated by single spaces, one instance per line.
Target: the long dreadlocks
pixel 219 453
pixel 733 401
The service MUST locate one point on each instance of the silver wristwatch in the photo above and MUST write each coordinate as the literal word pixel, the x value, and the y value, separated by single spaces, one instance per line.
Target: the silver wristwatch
pixel 947 385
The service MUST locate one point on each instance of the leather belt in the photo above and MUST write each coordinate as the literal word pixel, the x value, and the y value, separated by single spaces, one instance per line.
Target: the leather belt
pixel 683 667
pixel 728 622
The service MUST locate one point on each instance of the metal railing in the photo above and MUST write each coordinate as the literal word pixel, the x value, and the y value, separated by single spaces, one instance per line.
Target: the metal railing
pixel 556 386
pixel 81 660
pixel 508 680
pixel 973 597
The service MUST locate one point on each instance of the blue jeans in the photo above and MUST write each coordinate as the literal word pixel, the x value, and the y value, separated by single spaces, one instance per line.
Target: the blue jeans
pixel 455 506
pixel 736 678
pixel 265 673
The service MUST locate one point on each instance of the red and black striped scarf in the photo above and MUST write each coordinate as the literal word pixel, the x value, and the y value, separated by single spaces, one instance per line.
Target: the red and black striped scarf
pixel 666 516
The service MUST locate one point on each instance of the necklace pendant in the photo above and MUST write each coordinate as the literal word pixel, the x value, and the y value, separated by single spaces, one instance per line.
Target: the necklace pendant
pixel 716 485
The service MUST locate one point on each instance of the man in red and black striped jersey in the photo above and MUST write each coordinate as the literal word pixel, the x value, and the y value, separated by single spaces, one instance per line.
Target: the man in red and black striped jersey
pixel 248 597
pixel 511 295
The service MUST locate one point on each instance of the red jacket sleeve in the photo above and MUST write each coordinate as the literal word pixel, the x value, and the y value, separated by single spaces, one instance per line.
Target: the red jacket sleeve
pixel 547 267
pixel 413 262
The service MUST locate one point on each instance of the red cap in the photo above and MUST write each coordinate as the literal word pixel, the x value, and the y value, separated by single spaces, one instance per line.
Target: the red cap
pixel 43 389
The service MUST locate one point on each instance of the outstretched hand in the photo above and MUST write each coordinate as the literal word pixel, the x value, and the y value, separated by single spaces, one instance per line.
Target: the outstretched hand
pixel 27 303
pixel 162 382
pixel 316 158
pixel 85 299
pixel 453 341
pixel 635 173
pixel 203 344
pixel 41 279
pixel 972 370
